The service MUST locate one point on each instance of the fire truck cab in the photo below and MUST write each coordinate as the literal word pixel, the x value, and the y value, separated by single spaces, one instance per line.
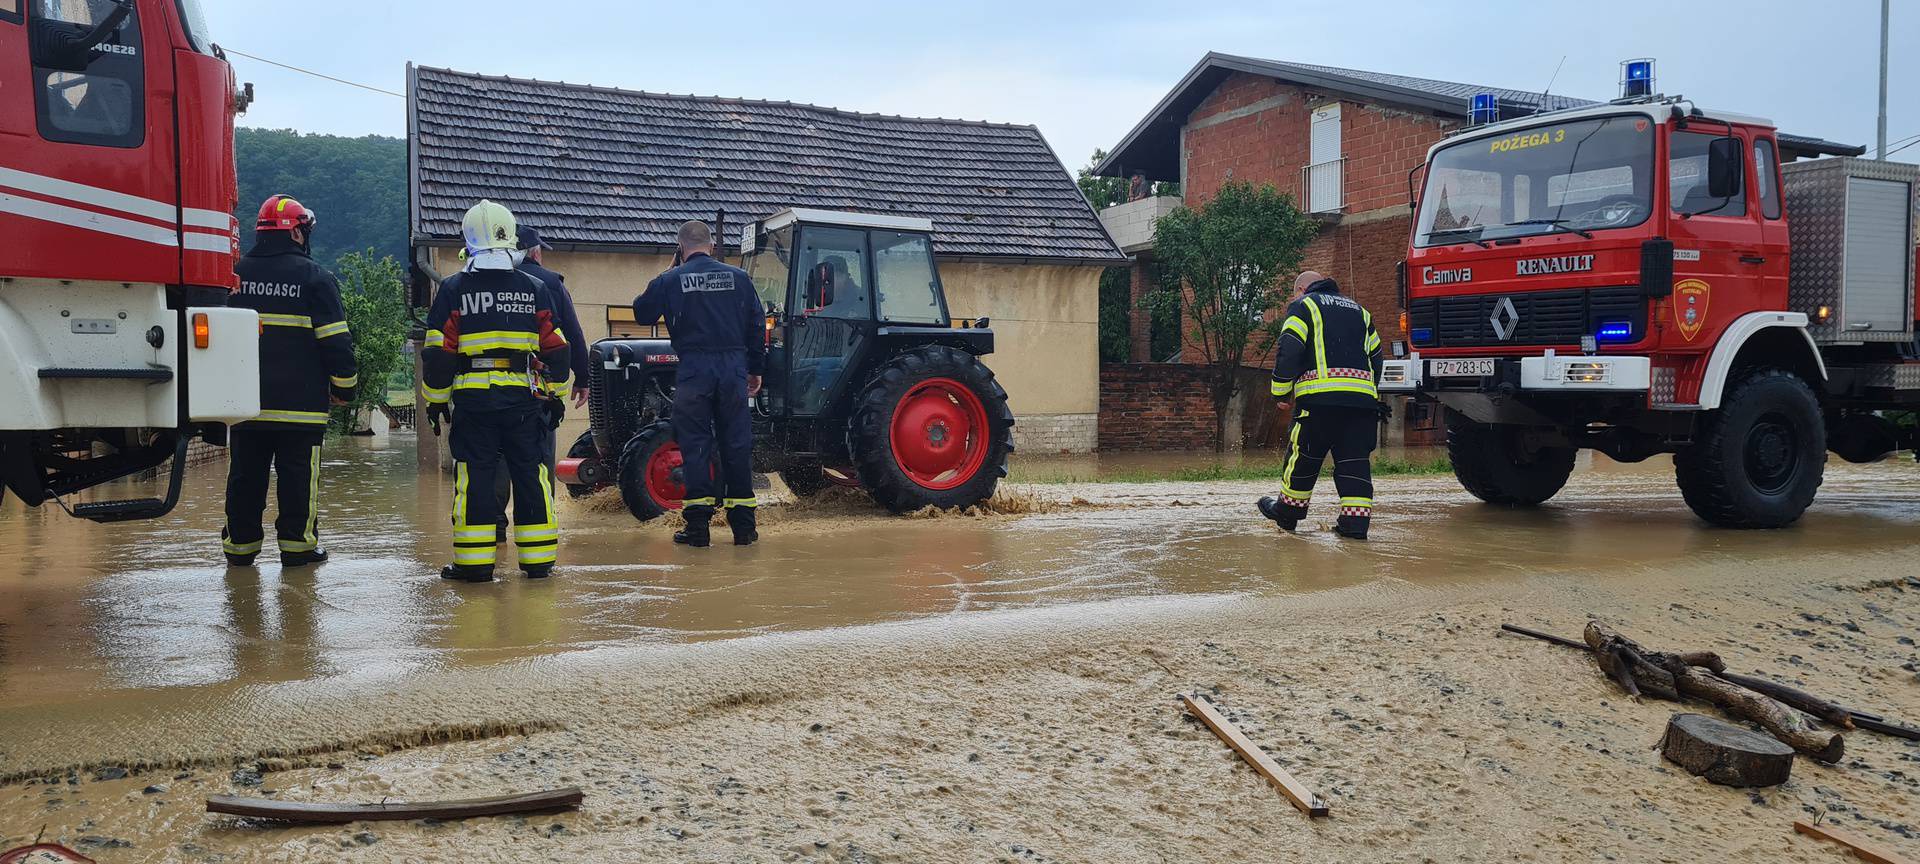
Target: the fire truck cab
pixel 117 192
pixel 1646 276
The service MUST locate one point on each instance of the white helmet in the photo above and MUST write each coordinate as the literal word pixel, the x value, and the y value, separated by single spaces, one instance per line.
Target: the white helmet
pixel 489 226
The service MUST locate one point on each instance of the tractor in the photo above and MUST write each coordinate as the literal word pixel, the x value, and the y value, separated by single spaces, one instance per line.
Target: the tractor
pixel 869 384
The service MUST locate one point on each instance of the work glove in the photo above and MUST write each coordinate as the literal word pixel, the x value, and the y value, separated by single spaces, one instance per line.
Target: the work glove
pixel 1384 410
pixel 556 409
pixel 436 412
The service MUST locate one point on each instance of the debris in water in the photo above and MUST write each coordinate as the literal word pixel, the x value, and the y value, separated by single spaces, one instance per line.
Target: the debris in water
pixel 1296 792
pixel 295 811
pixel 1724 753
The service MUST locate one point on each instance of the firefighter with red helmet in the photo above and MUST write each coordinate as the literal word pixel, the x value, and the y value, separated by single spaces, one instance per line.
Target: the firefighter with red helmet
pixel 494 348
pixel 1328 366
pixel 306 366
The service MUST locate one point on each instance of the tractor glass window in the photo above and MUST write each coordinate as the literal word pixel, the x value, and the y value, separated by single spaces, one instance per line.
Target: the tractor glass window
pixel 1584 174
pixel 91 95
pixel 768 267
pixel 833 279
pixel 1766 176
pixel 904 276
pixel 1687 177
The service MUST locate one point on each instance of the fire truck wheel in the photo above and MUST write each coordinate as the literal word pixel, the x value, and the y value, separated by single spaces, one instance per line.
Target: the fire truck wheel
pixel 1757 461
pixel 651 478
pixel 1498 466
pixel 582 449
pixel 931 428
pixel 806 481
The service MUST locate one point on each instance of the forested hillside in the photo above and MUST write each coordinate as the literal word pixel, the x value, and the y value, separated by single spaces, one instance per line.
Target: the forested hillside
pixel 358 186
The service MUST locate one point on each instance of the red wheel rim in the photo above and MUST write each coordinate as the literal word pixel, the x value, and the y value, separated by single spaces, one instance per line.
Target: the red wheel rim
pixel 939 434
pixel 661 464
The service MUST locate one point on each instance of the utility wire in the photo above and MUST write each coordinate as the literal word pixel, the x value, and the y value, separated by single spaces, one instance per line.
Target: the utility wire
pixel 313 73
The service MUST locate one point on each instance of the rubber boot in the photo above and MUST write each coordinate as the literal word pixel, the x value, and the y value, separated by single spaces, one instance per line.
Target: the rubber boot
pixel 469 573
pixel 537 571
pixel 239 560
pixel 302 559
pixel 1352 527
pixel 696 534
pixel 1270 508
pixel 742 521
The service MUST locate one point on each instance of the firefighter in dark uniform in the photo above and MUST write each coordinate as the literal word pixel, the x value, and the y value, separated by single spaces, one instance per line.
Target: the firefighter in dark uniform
pixel 306 366
pixel 527 260
pixel 493 344
pixel 719 332
pixel 1328 365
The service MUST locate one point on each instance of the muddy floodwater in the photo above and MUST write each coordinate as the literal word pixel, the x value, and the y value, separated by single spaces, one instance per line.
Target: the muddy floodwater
pixel 87 609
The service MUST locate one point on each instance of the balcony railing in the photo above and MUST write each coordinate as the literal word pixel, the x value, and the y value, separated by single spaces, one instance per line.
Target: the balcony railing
pixel 1324 184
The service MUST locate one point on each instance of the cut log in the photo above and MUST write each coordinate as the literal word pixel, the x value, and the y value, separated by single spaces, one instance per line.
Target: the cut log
pixel 1724 753
pixel 295 811
pixel 1544 637
pixel 1800 699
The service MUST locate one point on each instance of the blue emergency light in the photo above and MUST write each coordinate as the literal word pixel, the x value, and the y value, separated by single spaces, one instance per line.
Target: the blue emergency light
pixel 1422 335
pixel 1486 109
pixel 1615 331
pixel 1636 78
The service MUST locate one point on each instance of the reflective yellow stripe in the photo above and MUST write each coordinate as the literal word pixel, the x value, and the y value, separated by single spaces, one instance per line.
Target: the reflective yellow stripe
pixel 546 493
pixel 472 555
pixel 560 388
pixel 233 548
pixel 1356 502
pixel 435 339
pixel 1295 326
pixel 1319 337
pixel 269 319
pixel 317 417
pixel 491 378
pixel 472 544
pixel 535 533
pixel 538 544
pixel 334 329
pixel 698 502
pixel 313 505
pixel 1293 460
pixel 298 546
pixel 1336 385
pixel 1373 342
pixel 741 502
pixel 1282 388
pixel 493 340
pixel 347 382
pixel 437 396
pixel 485 532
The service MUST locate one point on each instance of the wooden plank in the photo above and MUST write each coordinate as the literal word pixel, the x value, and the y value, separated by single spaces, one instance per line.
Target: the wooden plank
pixel 1296 792
pixel 1865 850
pixel 295 811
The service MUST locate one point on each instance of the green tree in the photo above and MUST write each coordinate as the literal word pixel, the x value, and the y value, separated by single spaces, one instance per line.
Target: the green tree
pixel 357 186
pixel 374 293
pixel 1230 256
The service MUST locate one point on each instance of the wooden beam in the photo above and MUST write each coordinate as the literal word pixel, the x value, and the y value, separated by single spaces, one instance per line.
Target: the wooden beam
pixel 1863 849
pixel 295 811
pixel 1296 792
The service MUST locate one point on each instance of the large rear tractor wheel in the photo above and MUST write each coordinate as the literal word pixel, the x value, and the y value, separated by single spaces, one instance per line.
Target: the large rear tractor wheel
pixel 652 480
pixel 931 428
pixel 582 449
pixel 1500 466
pixel 1758 460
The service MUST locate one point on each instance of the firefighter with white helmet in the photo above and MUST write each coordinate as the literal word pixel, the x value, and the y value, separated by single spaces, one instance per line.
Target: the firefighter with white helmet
pixel 306 365
pixel 493 349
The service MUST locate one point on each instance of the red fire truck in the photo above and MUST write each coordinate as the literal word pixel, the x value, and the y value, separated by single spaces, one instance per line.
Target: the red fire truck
pixel 116 199
pixel 1645 276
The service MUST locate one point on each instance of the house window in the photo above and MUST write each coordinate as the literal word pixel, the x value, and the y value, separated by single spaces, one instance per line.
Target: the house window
pixel 620 325
pixel 104 104
pixel 1324 182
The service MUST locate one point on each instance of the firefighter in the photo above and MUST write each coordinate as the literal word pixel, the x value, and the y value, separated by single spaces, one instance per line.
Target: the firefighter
pixel 527 260
pixel 719 333
pixel 1328 363
pixel 306 366
pixel 493 345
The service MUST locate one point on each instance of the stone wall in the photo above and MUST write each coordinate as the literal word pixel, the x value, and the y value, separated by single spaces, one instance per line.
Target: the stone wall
pixel 1047 434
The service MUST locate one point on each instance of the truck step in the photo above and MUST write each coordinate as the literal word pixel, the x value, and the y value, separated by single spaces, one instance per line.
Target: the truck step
pixel 121 511
pixel 152 374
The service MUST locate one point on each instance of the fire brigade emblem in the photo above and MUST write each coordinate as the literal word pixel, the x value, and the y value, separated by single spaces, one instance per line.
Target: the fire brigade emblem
pixel 1690 306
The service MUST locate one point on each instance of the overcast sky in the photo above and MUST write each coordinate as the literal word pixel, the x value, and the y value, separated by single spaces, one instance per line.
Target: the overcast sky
pixel 1084 73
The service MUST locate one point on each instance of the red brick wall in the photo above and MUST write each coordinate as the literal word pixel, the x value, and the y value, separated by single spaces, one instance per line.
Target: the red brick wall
pixel 1165 406
pixel 1269 147
pixel 1381 145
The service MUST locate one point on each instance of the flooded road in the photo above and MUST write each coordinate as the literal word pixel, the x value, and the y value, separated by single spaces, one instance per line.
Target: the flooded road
pixel 88 611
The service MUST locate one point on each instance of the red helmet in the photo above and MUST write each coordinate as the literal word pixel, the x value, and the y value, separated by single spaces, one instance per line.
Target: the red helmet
pixel 282 213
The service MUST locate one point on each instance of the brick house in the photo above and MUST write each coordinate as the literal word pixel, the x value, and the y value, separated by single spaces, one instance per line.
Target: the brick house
pixel 1344 143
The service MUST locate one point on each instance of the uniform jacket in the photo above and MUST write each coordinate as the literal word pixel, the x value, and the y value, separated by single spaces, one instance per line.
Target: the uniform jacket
pixel 708 306
pixel 306 352
pixel 1329 353
pixel 490 330
pixel 562 300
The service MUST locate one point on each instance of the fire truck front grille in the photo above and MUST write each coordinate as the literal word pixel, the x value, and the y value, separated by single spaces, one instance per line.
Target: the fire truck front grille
pixel 1537 318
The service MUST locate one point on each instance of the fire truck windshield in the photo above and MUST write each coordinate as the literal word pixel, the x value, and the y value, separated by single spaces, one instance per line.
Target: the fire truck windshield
pixel 1581 176
pixel 196 23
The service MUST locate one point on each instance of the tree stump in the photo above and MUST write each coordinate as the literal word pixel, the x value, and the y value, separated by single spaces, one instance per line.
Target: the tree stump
pixel 1724 753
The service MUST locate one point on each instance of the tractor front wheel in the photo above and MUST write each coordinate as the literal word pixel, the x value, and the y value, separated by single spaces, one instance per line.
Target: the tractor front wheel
pixel 652 480
pixel 931 428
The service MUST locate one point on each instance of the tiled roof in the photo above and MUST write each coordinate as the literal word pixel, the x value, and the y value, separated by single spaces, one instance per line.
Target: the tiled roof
pixel 599 167
pixel 1152 147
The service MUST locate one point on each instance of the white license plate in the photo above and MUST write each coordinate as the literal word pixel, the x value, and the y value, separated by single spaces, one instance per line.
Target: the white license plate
pixel 1459 368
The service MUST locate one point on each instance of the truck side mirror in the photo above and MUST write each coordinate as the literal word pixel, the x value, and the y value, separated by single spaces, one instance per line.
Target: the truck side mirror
pixel 1725 168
